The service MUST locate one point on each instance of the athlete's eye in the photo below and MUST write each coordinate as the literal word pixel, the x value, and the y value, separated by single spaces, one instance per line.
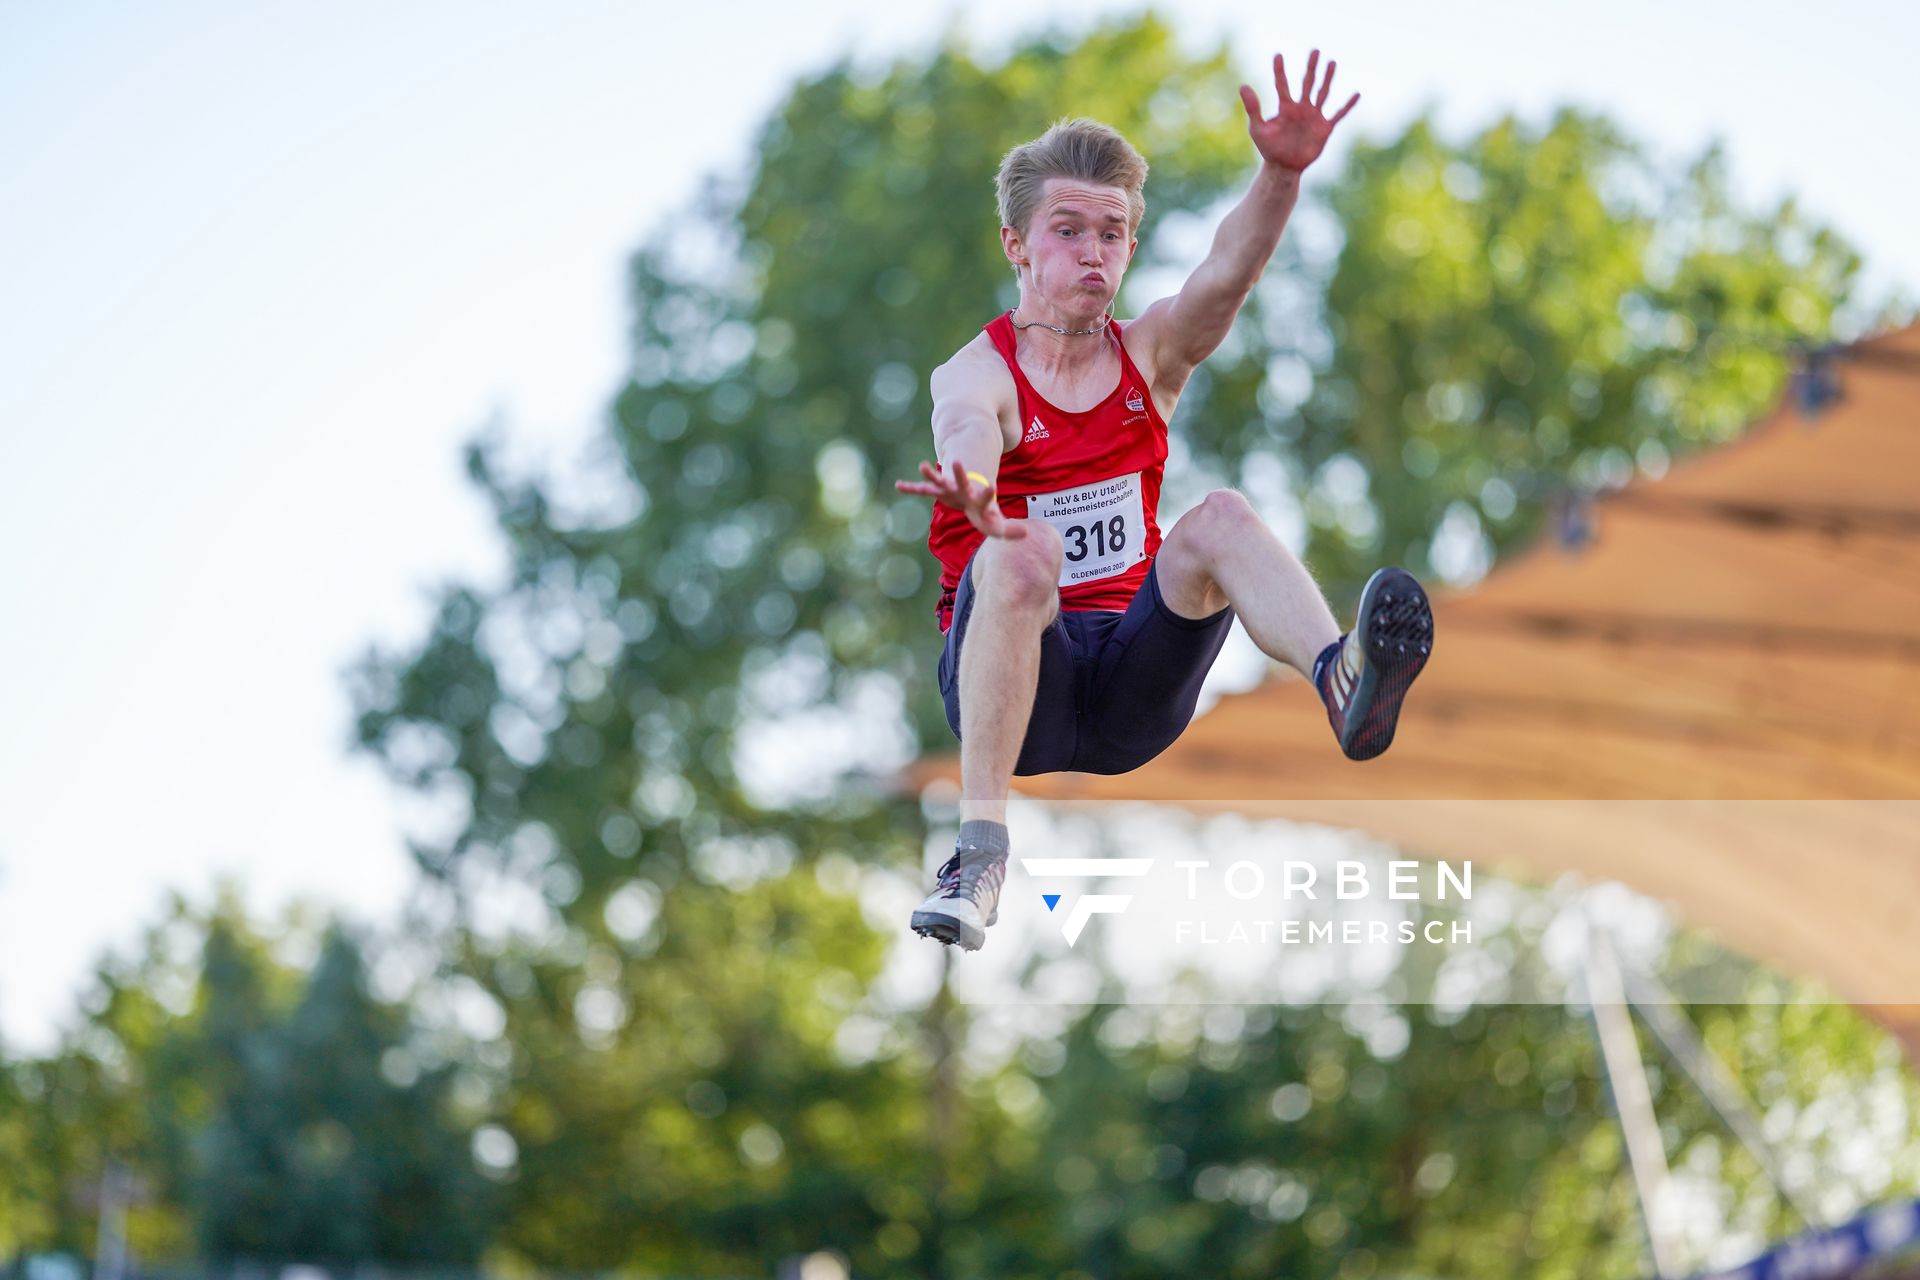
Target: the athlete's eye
pixel 1066 231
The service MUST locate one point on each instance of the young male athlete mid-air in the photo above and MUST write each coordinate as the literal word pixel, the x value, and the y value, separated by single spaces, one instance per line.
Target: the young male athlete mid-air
pixel 1077 637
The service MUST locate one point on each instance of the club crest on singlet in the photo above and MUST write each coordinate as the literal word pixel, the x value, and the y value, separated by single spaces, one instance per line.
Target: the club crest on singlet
pixel 1136 403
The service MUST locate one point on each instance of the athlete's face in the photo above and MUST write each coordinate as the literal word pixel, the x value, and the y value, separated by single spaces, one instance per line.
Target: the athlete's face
pixel 1076 247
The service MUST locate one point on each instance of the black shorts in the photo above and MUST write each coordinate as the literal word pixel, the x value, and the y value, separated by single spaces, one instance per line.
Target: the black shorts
pixel 1116 688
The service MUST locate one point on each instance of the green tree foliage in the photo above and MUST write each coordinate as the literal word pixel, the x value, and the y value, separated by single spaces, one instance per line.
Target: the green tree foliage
pixel 264 1113
pixel 25 1193
pixel 326 1141
pixel 1314 1141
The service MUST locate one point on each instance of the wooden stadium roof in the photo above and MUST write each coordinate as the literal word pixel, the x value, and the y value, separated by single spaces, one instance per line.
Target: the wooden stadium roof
pixel 1648 706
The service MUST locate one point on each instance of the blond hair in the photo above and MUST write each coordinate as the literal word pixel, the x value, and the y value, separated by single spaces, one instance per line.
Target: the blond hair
pixel 1076 148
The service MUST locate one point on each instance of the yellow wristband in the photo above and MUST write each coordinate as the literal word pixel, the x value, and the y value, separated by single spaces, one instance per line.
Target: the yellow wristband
pixel 979 479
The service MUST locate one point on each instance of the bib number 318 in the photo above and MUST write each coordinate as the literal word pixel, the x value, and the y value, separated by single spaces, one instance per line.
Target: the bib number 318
pixel 1095 539
pixel 1102 526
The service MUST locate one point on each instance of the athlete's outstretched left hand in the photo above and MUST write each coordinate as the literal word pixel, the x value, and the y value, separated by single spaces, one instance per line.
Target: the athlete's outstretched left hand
pixel 1298 131
pixel 958 490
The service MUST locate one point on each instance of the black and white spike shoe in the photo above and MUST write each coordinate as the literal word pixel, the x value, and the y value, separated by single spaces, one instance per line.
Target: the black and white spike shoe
pixel 1365 683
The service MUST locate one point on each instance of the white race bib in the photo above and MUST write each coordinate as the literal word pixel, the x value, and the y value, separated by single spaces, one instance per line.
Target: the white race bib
pixel 1103 525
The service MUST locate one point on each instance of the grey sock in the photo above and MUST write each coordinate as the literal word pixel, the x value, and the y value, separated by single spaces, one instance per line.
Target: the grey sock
pixel 984 836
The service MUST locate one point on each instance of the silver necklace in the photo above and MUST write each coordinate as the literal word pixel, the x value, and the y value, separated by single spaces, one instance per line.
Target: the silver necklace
pixel 1105 320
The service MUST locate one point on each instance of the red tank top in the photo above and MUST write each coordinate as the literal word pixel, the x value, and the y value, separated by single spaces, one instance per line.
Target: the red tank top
pixel 1094 476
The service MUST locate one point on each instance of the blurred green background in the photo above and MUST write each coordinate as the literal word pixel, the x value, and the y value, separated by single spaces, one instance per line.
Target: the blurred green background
pixel 639 1019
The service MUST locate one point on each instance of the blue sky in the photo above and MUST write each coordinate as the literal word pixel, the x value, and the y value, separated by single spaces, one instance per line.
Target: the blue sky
pixel 263 268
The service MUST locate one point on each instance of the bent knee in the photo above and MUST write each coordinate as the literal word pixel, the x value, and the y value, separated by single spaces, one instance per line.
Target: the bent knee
pixel 1227 506
pixel 1023 571
pixel 1223 518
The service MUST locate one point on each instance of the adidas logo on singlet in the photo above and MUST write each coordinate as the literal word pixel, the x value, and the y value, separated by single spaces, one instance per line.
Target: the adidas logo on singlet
pixel 1035 432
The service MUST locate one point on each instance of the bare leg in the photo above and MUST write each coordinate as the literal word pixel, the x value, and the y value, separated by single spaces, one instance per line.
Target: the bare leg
pixel 1222 553
pixel 1015 596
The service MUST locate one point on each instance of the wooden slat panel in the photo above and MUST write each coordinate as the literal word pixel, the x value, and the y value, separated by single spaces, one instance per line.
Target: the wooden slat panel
pixel 1788 460
pixel 1796 585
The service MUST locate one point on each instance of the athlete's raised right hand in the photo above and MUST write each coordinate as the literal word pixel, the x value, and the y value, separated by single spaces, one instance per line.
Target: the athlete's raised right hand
pixel 956 488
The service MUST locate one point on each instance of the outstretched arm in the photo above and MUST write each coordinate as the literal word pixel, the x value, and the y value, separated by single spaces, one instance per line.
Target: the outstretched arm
pixel 1185 329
